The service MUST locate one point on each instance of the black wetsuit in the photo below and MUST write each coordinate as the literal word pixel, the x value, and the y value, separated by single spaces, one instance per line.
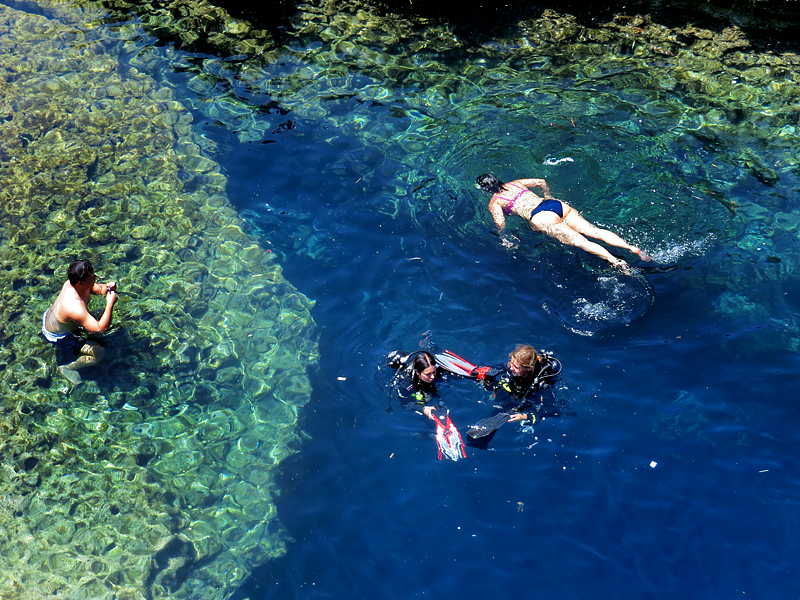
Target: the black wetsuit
pixel 411 391
pixel 523 394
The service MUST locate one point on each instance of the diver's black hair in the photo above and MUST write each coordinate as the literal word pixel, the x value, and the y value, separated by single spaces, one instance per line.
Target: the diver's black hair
pixel 422 361
pixel 410 364
pixel 489 183
pixel 79 270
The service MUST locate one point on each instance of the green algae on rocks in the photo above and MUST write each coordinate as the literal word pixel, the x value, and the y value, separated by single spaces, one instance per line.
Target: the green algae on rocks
pixel 665 98
pixel 155 477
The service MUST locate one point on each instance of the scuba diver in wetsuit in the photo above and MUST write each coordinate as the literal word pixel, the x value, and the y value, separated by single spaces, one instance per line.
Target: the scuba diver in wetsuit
pixel 414 384
pixel 526 373
pixel 519 391
pixel 414 380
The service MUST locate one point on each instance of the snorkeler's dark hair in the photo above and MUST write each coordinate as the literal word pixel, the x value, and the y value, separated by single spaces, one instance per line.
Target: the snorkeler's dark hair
pixel 489 183
pixel 79 270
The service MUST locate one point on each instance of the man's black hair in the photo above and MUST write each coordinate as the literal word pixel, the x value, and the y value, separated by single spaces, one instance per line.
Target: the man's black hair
pixel 79 270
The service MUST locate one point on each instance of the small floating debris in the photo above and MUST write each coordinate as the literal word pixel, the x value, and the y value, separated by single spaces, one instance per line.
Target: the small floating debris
pixel 342 378
pixel 653 464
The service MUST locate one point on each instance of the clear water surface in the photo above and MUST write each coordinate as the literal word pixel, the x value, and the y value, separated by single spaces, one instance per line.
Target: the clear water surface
pixel 673 478
pixel 700 384
pixel 677 474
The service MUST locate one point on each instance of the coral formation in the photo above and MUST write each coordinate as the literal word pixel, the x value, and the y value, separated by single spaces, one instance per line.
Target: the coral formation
pixel 155 477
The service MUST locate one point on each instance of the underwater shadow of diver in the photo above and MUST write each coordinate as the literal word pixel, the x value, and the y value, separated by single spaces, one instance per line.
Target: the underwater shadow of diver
pixel 589 300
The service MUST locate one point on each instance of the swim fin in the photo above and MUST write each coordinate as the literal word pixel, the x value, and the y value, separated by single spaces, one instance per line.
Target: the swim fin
pixel 488 425
pixel 453 363
pixel 448 439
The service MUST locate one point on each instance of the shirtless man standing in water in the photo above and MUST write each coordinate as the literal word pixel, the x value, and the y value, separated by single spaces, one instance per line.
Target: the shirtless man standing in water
pixel 70 313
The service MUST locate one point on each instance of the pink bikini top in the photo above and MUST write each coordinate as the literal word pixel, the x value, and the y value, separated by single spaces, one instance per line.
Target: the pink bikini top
pixel 507 209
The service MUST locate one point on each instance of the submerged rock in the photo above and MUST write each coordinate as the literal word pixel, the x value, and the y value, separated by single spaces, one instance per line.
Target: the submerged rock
pixel 115 480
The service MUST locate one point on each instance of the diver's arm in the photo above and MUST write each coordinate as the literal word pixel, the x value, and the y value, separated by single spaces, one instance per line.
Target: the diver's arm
pixel 484 373
pixel 491 383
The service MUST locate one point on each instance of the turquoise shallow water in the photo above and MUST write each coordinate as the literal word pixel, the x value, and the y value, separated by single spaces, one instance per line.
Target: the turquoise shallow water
pixel 354 165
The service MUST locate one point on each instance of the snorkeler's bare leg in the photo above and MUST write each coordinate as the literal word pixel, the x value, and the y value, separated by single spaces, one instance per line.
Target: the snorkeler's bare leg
pixel 90 354
pixel 576 221
pixel 566 235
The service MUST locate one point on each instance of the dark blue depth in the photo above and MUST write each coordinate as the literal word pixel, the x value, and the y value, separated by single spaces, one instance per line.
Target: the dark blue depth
pixel 573 510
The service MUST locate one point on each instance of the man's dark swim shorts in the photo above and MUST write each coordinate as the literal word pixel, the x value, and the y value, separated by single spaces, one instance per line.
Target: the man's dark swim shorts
pixel 68 348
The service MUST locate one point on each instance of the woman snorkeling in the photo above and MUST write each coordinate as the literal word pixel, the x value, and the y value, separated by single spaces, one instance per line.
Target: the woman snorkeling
pixel 551 216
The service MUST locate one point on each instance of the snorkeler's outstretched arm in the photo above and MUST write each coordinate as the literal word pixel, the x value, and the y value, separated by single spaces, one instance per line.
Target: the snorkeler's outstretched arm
pixel 534 182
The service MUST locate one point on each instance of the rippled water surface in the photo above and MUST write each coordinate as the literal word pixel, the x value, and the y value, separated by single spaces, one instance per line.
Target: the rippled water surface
pixel 350 153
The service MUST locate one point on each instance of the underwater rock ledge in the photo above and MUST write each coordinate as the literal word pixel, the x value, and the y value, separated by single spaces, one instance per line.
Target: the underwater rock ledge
pixel 679 84
pixel 155 477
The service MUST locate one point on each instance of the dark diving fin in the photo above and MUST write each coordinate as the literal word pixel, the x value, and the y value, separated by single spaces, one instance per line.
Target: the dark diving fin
pixel 488 425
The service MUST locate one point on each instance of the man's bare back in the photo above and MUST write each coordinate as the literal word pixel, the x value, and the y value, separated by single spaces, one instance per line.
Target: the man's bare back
pixel 70 312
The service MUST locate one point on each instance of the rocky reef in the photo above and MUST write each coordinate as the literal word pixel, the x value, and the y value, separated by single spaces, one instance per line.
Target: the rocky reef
pixel 702 116
pixel 155 476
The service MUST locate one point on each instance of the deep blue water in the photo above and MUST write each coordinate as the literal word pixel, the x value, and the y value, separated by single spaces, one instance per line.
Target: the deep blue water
pixel 572 509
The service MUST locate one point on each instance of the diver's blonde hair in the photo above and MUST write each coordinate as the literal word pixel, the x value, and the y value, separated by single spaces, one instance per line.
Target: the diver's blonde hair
pixel 526 356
